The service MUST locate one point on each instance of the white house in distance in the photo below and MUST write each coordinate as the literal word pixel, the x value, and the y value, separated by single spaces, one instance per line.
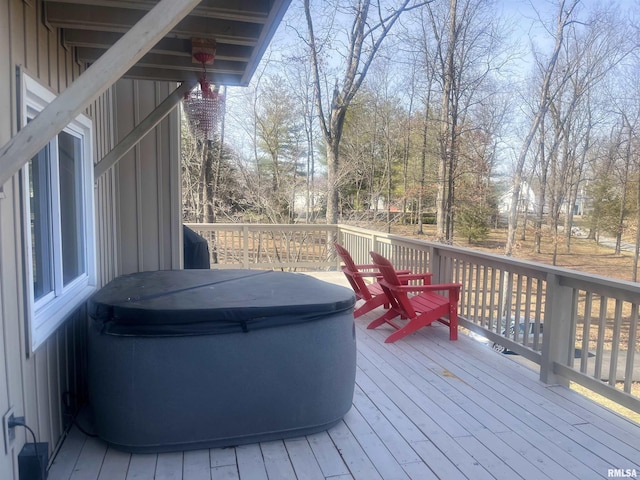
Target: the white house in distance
pixel 527 201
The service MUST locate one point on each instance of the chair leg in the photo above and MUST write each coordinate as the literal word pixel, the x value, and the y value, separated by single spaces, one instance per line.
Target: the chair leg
pixel 453 322
pixel 368 305
pixel 383 319
pixel 412 326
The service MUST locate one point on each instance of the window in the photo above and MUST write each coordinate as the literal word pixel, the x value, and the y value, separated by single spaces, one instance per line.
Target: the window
pixel 58 220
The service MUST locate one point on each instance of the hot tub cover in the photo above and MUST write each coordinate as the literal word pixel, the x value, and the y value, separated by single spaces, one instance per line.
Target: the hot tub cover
pixel 198 302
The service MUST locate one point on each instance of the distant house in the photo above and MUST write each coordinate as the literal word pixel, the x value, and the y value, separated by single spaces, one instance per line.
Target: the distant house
pixel 90 171
pixel 526 203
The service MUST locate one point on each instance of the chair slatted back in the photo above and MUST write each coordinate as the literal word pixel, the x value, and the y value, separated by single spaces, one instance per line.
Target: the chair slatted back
pixel 398 300
pixel 351 272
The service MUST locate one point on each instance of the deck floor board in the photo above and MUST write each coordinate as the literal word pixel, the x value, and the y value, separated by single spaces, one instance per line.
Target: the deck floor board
pixel 424 408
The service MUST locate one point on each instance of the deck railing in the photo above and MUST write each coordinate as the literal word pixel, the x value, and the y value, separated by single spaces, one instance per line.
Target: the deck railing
pixel 577 327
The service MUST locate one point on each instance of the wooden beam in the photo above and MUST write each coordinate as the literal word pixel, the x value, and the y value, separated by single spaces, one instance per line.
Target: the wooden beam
pixel 91 84
pixel 144 127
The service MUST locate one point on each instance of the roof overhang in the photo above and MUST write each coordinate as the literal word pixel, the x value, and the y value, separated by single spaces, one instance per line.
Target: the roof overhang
pixel 241 29
pixel 149 40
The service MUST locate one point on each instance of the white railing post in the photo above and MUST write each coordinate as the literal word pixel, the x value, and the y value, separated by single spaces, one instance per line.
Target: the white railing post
pixel 339 235
pixel 556 339
pixel 435 265
pixel 374 245
pixel 245 245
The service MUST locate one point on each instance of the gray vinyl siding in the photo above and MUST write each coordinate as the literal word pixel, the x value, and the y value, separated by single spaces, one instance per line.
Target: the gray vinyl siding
pixel 148 211
pixel 32 384
pixel 137 221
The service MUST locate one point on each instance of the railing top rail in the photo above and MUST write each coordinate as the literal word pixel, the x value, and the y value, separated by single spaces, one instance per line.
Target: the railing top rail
pixel 263 226
pixel 569 277
pixel 576 279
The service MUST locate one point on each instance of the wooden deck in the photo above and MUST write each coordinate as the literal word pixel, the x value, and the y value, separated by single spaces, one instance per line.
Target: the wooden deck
pixel 424 408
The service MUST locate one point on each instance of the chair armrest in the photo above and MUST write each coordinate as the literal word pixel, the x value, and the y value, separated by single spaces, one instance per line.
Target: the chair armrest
pixel 365 274
pixel 372 266
pixel 452 287
pixel 366 266
pixel 425 277
pixel 376 273
pixel 408 272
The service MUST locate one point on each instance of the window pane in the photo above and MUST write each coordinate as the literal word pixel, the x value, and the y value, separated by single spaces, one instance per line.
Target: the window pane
pixel 41 233
pixel 71 214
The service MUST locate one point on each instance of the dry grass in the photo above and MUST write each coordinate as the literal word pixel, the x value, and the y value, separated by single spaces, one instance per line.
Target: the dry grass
pixel 585 255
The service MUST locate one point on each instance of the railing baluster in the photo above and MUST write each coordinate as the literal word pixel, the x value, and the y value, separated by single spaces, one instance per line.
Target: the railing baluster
pixel 483 303
pixel 601 331
pixel 615 343
pixel 586 333
pixel 527 310
pixel 476 296
pixel 517 314
pixel 631 348
pixel 572 328
pixel 501 295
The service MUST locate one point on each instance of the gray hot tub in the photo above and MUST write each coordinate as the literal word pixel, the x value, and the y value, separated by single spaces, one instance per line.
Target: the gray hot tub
pixel 210 358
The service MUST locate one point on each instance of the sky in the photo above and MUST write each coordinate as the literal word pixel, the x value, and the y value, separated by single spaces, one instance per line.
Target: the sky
pixel 524 15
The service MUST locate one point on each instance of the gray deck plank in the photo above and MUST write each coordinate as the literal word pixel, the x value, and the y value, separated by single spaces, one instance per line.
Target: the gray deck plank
pixel 384 462
pixel 419 471
pixel 588 451
pixel 447 459
pixel 489 460
pixel 197 465
pixel 115 465
pixel 250 462
pixel 482 407
pixel 392 439
pixel 571 454
pixel 169 466
pixel 142 467
pixel 422 417
pixel 327 455
pixel 224 472
pixel 356 459
pixel 462 409
pixel 222 457
pixel 385 405
pixel 302 459
pixel 600 416
pixel 276 460
pixel 66 459
pixel 90 460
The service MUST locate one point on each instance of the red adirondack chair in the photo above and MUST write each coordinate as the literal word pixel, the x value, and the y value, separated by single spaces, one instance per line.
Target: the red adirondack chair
pixel 371 293
pixel 419 310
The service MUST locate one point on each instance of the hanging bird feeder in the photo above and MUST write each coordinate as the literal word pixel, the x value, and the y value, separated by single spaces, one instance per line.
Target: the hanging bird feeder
pixel 204 105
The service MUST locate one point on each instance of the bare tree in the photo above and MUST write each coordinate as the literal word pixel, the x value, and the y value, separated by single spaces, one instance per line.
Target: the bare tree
pixel 590 51
pixel 563 19
pixel 468 38
pixel 371 23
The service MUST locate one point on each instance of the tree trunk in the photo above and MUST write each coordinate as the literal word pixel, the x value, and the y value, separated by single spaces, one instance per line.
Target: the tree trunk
pixel 563 16
pixel 332 182
pixel 443 219
pixel 423 164
pixel 637 250
pixel 623 200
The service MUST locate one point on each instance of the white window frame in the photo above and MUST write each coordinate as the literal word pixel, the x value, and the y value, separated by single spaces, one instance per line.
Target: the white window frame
pixel 48 312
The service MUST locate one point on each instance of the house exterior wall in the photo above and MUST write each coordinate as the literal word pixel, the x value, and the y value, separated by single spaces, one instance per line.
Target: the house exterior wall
pixel 32 384
pixel 148 179
pixel 137 223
